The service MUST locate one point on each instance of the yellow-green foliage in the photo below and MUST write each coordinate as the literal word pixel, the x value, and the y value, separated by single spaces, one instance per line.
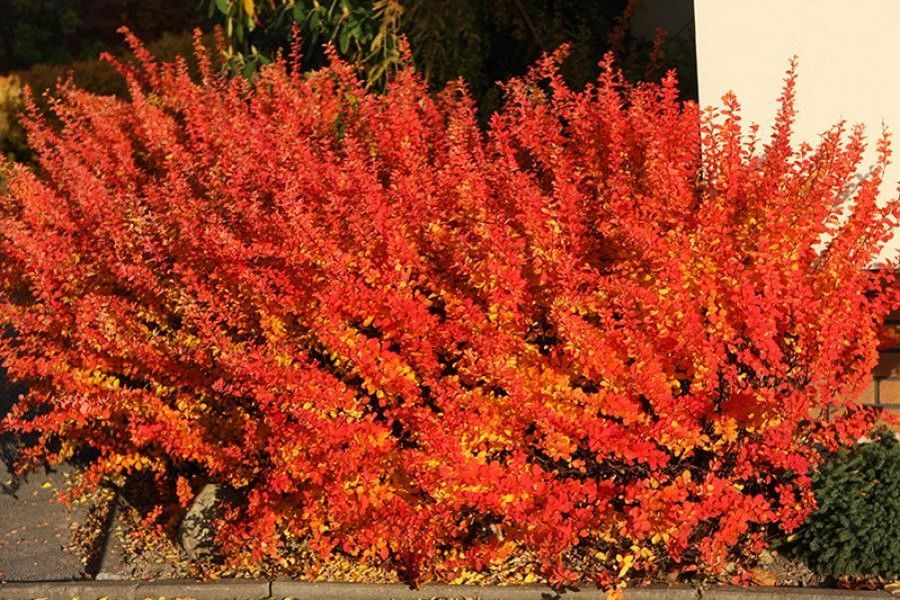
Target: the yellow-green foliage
pixel 12 138
pixel 10 99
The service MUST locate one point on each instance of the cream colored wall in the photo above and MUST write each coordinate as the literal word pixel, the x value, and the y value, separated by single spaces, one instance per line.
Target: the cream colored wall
pixel 849 64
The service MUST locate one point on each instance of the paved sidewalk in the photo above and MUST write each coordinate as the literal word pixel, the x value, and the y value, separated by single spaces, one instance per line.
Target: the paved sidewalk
pixel 34 527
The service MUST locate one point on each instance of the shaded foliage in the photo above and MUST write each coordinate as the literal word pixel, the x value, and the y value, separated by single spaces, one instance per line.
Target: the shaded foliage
pixel 63 31
pixel 481 41
pixel 855 531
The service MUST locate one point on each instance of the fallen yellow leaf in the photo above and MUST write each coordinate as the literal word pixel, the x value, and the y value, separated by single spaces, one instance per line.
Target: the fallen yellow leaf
pixel 763 577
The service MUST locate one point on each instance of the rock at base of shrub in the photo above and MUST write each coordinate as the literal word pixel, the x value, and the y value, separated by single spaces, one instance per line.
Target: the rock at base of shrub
pixel 197 530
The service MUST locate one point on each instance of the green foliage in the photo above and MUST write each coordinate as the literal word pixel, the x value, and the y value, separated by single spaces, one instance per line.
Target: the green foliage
pixel 30 31
pixel 856 529
pixel 481 41
pixel 366 33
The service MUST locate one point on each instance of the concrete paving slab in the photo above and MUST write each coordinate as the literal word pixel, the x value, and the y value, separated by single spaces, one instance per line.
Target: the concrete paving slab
pixel 113 562
pixel 34 527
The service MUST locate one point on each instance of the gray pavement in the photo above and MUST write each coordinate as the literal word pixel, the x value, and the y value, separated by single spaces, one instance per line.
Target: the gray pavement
pixel 34 527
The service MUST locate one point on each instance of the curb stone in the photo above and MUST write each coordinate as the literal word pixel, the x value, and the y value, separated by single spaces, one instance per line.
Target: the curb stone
pixel 282 589
pixel 66 590
pixel 760 593
pixel 343 591
pixel 136 590
pixel 234 589
pixel 243 589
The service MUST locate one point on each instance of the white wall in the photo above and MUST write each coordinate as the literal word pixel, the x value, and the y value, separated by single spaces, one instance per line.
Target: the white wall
pixel 849 64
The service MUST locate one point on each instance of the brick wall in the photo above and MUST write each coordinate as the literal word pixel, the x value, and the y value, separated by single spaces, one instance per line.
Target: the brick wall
pixel 885 387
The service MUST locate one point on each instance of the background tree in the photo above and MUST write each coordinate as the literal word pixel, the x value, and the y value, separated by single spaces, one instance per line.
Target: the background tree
pixel 481 41
pixel 43 43
pixel 59 32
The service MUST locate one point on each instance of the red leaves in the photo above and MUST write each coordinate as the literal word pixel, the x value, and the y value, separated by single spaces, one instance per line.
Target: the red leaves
pixel 414 341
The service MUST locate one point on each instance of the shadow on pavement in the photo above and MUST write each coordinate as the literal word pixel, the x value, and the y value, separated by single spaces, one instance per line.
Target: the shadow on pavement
pixel 9 393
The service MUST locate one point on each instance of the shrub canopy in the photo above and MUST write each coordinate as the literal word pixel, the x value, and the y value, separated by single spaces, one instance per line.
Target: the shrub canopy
pixel 608 330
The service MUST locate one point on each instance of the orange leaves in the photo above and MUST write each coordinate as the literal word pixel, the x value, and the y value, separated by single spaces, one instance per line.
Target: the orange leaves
pixel 621 406
pixel 559 446
pixel 184 491
pixel 405 338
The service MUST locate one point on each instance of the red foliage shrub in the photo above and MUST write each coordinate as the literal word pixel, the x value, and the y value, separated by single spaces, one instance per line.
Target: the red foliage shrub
pixel 608 330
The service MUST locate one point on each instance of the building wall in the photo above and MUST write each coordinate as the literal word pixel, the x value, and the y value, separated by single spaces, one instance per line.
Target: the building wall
pixel 885 387
pixel 848 54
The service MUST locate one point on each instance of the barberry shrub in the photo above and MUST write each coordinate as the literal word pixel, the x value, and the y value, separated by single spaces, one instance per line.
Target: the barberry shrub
pixel 610 331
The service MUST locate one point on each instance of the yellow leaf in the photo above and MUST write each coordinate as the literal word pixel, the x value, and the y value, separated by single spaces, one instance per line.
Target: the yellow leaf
pixel 249 8
pixel 47 485
pixel 763 577
pixel 626 565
